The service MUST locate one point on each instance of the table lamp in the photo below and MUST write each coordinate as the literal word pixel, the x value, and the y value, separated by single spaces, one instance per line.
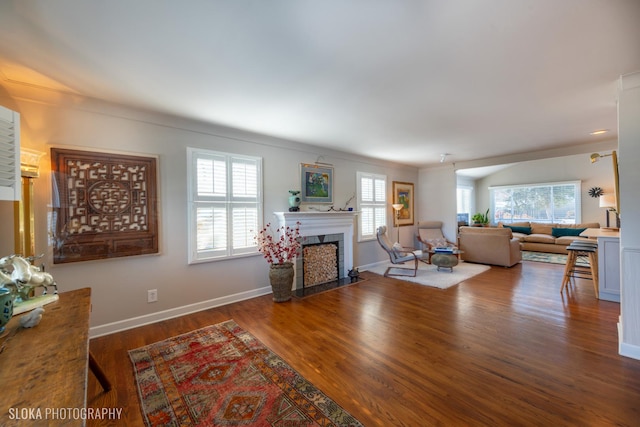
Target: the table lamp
pixel 608 201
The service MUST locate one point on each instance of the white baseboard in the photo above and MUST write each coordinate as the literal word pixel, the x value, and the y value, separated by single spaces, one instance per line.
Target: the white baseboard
pixel 372 265
pixel 627 350
pixel 123 325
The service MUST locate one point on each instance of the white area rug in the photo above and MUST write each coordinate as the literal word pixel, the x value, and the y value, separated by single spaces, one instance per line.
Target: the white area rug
pixel 428 274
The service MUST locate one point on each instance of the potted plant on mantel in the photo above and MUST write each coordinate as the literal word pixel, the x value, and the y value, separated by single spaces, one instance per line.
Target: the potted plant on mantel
pixel 481 220
pixel 280 249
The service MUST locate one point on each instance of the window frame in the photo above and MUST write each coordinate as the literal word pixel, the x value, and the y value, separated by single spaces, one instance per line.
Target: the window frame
pixel 554 220
pixel 362 205
pixel 227 201
pixel 465 194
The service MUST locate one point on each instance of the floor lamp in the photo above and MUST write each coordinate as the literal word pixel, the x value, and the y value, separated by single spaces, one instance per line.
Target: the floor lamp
pixel 398 207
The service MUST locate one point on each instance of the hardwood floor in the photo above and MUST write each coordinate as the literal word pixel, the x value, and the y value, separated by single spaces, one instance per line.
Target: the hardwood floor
pixel 503 348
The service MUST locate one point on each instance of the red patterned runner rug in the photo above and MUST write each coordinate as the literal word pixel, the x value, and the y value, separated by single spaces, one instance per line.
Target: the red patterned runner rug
pixel 222 375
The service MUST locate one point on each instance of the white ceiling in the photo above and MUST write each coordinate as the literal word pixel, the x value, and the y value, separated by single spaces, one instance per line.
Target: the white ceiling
pixel 402 80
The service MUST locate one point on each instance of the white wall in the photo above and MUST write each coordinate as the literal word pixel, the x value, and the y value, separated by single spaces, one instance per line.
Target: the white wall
pixel 629 170
pixel 119 286
pixel 437 198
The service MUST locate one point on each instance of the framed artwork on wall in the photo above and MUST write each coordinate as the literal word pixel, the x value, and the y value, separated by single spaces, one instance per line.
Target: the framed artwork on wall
pixel 104 205
pixel 316 183
pixel 403 194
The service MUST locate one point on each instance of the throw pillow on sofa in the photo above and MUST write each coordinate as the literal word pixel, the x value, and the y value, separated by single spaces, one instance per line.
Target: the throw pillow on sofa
pixel 522 230
pixel 562 232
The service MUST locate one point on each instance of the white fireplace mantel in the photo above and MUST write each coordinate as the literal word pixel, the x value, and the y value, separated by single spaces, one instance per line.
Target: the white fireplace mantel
pixel 320 223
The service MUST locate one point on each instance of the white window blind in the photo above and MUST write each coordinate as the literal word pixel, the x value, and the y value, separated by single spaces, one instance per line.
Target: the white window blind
pixel 225 204
pixel 9 154
pixel 557 202
pixel 372 202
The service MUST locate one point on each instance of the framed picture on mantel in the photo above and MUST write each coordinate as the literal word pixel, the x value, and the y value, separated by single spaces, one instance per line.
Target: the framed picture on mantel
pixel 316 183
pixel 403 194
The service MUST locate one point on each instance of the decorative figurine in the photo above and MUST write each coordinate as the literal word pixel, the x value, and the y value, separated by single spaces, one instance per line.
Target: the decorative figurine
pixel 32 319
pixel 294 201
pixel 354 274
pixel 24 276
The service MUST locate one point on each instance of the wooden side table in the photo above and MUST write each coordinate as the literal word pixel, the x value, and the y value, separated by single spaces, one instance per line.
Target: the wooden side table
pixel 45 367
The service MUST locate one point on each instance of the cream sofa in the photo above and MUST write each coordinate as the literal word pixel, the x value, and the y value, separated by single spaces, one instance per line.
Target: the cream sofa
pixel 552 238
pixel 486 245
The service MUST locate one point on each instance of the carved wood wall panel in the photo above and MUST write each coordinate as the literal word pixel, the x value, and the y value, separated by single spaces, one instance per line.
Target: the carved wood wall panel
pixel 104 205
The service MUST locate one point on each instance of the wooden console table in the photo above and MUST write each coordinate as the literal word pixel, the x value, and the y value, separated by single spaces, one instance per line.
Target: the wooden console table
pixel 45 367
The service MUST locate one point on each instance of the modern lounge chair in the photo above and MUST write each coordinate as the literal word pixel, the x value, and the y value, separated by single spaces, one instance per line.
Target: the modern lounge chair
pixel 399 255
pixel 430 236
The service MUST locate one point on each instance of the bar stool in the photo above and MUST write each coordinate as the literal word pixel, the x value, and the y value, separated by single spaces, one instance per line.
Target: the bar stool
pixel 581 250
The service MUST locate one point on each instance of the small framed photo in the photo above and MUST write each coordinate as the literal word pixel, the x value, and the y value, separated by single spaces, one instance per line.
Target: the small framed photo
pixel 316 183
pixel 403 194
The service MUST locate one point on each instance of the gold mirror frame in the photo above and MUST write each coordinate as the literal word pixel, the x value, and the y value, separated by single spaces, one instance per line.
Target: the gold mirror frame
pixel 616 180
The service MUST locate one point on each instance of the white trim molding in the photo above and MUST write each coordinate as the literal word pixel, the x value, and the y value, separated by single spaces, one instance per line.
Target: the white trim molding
pixel 629 336
pixel 134 322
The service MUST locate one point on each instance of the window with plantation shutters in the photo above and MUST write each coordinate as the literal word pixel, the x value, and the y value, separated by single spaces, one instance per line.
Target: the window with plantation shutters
pixel 9 154
pixel 372 203
pixel 225 204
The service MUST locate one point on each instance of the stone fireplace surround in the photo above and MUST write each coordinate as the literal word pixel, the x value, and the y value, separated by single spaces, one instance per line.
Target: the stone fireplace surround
pixel 314 224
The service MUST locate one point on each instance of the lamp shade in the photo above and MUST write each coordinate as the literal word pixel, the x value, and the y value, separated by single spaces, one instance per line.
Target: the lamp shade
pixel 397 206
pixel 608 201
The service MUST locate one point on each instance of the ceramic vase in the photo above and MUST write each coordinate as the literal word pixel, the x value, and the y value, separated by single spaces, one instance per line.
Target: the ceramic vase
pixel 281 277
pixel 6 307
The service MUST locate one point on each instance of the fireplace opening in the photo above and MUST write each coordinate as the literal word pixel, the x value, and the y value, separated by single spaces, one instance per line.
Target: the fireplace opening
pixel 320 266
pixel 319 263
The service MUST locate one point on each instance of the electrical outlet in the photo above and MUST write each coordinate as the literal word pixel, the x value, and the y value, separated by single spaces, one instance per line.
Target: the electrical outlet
pixel 152 295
